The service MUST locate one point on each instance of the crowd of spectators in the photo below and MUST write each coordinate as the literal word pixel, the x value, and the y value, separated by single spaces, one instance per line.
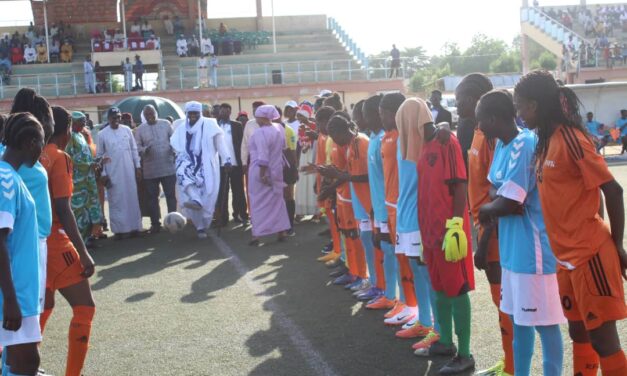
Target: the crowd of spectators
pixel 141 37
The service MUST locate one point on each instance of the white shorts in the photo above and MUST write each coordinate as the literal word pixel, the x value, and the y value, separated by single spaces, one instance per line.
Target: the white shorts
pixel 409 244
pixel 365 225
pixel 383 226
pixel 532 299
pixel 43 265
pixel 29 332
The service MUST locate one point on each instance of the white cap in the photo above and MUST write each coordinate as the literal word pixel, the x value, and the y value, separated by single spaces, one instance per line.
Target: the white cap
pixel 291 104
pixel 324 93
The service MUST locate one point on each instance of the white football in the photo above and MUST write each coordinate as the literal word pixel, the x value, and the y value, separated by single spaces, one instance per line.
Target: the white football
pixel 174 222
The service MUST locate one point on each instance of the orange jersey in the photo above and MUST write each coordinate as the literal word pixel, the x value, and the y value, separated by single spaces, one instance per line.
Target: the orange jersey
pixel 358 165
pixel 569 178
pixel 338 159
pixel 58 165
pixel 389 147
pixel 321 156
pixel 479 161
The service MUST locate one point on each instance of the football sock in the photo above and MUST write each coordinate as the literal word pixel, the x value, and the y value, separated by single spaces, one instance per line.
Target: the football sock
pixel 524 338
pixel 407 280
pixel 43 318
pixel 366 241
pixel 343 248
pixel 360 258
pixel 378 259
pixel 585 359
pixel 614 365
pixel 445 317
pixel 78 339
pixel 390 266
pixel 421 288
pixel 461 315
pixel 552 349
pixel 507 331
pixel 434 305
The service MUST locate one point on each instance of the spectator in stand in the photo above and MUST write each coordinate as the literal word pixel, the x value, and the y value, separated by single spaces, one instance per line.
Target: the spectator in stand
pixel 153 43
pixel 138 69
pixel 181 46
pixel 5 63
pixel 203 74
pixel 147 28
pixel 596 131
pixel 55 49
pixel 127 68
pixel 168 25
pixel 17 55
pixel 213 68
pixel 621 125
pixel 42 53
pixel 136 28
pixel 396 61
pixel 30 55
pixel 66 52
pixel 222 30
pixel 179 28
pixel 54 30
pixel 90 77
pixel 194 46
pixel 206 47
pixel 101 78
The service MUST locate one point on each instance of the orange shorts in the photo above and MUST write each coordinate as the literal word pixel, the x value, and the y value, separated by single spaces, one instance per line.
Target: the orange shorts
pixel 345 216
pixel 593 293
pixel 493 246
pixel 64 267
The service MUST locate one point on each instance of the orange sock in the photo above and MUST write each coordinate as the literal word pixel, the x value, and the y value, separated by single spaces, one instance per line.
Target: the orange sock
pixel 614 365
pixel 360 258
pixel 43 318
pixel 407 280
pixel 585 359
pixel 507 330
pixel 78 339
pixel 378 266
pixel 350 255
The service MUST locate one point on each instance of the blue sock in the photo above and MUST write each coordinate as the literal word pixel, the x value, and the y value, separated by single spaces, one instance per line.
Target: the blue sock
pixel 524 340
pixel 422 286
pixel 552 349
pixel 434 307
pixel 343 248
pixel 366 240
pixel 390 269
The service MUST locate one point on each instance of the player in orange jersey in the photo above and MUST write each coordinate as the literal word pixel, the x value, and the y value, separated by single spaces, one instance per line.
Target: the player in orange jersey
pixel 69 263
pixel 571 176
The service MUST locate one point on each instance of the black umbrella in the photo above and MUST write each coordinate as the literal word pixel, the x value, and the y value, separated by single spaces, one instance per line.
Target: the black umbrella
pixel 135 106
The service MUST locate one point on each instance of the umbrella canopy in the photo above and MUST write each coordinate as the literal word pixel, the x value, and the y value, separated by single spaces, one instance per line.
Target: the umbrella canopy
pixel 135 106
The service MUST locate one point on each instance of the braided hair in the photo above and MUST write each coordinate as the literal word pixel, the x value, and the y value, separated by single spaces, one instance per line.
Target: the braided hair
pixel 334 101
pixel 3 120
pixel 62 120
pixel 19 128
pixel 27 100
pixel 371 111
pixel 555 105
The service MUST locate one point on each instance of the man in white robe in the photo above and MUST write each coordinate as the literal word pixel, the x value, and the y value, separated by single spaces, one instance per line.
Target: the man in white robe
pixel 181 46
pixel 116 142
pixel 199 146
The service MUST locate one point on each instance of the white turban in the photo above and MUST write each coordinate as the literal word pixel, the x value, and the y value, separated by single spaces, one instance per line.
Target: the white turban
pixel 193 106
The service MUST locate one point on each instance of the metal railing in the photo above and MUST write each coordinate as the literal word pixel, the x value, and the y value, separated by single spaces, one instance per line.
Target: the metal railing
pixel 346 40
pixel 226 76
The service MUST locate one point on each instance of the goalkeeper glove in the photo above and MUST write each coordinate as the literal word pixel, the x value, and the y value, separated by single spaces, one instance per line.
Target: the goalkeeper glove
pixel 455 245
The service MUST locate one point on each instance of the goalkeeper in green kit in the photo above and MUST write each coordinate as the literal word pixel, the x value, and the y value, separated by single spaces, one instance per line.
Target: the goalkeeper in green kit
pixel 447 250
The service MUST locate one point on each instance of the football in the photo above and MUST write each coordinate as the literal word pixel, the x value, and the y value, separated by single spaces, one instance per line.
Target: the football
pixel 174 222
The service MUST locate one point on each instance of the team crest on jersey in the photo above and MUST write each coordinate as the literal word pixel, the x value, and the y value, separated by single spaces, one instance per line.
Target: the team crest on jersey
pixel 432 158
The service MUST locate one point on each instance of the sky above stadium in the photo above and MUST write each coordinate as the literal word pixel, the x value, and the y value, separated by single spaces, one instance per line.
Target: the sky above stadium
pixel 408 23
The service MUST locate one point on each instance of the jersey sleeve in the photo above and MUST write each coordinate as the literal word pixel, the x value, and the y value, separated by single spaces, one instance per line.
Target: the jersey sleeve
pixel 60 179
pixel 290 138
pixel 361 158
pixel 454 166
pixel 594 170
pixel 9 191
pixel 519 178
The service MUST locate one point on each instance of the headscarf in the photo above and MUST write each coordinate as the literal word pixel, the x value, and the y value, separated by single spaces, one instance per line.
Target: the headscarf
pixel 77 115
pixel 193 106
pixel 267 111
pixel 411 117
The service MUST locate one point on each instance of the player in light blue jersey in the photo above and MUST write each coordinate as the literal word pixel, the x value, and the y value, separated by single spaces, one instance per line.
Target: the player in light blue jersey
pixel 377 192
pixel 528 284
pixel 20 279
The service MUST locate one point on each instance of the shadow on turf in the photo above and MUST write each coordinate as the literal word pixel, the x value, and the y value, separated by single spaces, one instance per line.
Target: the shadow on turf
pixel 351 339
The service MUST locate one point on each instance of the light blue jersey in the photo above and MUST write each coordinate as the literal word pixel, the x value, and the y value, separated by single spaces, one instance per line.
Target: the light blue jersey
pixel 358 209
pixel 620 123
pixel 17 213
pixel 523 242
pixel 36 179
pixel 407 205
pixel 593 127
pixel 375 177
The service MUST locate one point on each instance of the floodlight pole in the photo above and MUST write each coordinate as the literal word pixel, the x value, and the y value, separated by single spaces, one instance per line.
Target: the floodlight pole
pixel 46 27
pixel 273 27
pixel 124 23
pixel 200 24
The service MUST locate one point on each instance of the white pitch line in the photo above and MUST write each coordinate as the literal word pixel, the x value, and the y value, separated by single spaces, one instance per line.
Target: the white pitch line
pixel 314 359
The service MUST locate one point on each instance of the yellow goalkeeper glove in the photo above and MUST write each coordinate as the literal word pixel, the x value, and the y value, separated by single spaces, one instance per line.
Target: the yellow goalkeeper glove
pixel 455 245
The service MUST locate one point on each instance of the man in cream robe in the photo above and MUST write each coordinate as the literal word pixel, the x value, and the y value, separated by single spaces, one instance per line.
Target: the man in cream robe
pixel 199 146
